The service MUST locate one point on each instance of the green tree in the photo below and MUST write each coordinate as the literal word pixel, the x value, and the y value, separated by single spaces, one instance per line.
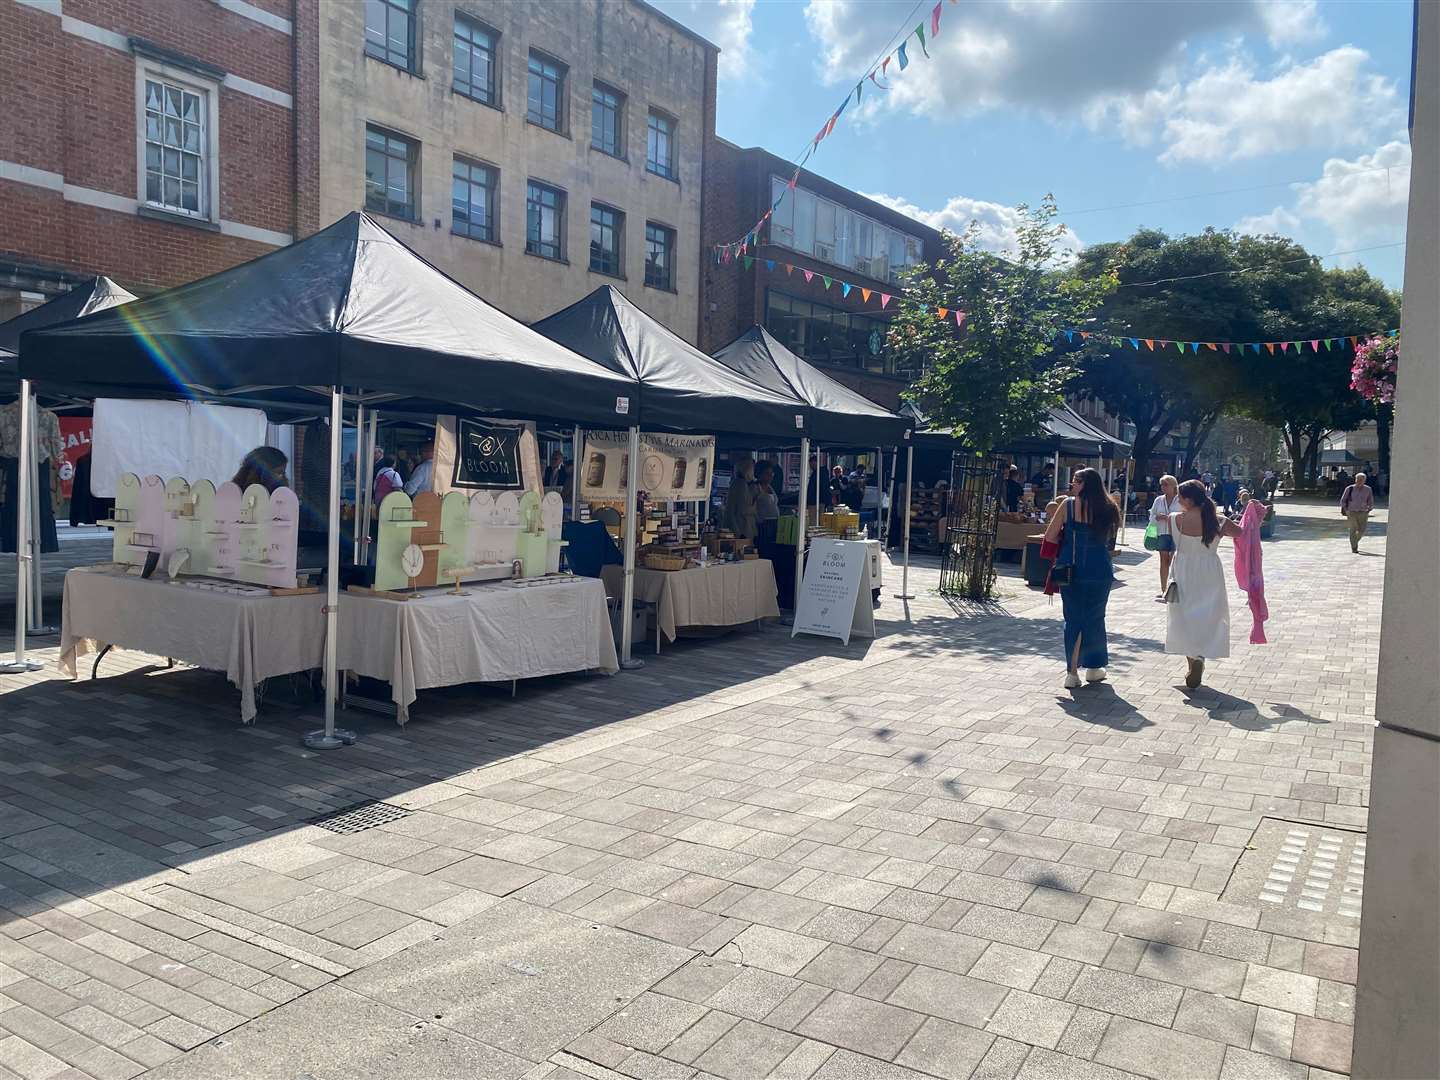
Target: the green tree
pixel 1180 290
pixel 1307 393
pixel 994 380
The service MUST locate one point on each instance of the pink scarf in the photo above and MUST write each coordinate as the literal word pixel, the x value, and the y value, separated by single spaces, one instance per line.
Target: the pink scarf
pixel 1248 574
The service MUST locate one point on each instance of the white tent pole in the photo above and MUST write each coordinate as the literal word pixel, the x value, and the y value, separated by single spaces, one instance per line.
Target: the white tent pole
pixel 1126 506
pixel 330 738
pixel 1055 476
pixel 880 515
pixel 22 541
pixel 894 467
pixel 577 447
pixel 366 453
pixel 800 520
pixel 359 468
pixel 37 573
pixel 627 602
pixel 904 593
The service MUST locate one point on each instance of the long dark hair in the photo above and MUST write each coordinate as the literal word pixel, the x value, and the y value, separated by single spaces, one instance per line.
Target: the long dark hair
pixel 1099 510
pixel 1193 492
pixel 264 465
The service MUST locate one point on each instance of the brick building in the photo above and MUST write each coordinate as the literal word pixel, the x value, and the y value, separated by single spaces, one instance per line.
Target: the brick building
pixel 821 227
pixel 532 151
pixel 153 141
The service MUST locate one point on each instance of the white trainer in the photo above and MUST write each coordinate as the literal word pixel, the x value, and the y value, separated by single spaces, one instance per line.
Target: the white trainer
pixel 1072 680
pixel 1095 674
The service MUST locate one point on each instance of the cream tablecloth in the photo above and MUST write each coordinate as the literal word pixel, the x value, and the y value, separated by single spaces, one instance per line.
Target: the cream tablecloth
pixel 494 633
pixel 723 594
pixel 249 638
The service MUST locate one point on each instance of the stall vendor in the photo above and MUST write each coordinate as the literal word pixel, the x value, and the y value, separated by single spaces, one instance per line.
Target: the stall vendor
pixel 265 465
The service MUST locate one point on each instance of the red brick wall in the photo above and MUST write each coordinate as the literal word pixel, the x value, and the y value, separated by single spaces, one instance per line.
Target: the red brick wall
pixel 70 109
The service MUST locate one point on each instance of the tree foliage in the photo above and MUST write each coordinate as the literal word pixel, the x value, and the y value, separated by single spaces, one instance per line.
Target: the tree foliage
pixel 1217 286
pixel 995 380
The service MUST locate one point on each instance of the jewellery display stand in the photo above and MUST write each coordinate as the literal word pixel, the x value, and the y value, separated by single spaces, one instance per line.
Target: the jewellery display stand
pixel 430 538
pixel 271 553
pixel 489 546
pixel 552 517
pixel 202 521
pixel 454 530
pixel 532 544
pixel 223 532
pixel 175 528
pixel 123 520
pixel 150 522
pixel 397 521
pixel 252 532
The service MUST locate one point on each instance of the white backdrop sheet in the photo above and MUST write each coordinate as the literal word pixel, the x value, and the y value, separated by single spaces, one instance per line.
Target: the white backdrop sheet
pixel 170 438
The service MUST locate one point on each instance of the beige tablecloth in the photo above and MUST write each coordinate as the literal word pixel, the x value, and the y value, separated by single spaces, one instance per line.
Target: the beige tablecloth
pixel 249 638
pixel 494 633
pixel 724 594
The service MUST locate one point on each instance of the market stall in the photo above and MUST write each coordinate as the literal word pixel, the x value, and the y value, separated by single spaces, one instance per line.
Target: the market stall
pixel 717 595
pixel 840 418
pixel 91 295
pixel 495 632
pixel 348 316
pixel 682 391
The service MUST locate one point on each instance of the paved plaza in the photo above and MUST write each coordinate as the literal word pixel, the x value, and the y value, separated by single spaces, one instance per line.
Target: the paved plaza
pixel 911 857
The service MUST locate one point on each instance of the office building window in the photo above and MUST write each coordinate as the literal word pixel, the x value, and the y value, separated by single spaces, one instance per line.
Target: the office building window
pixel 472 200
pixel 827 335
pixel 390 31
pixel 476 61
pixel 659 256
pixel 546 96
pixel 660 145
pixel 544 221
pixel 807 223
pixel 607 120
pixel 176 148
pixel 390 173
pixel 607 238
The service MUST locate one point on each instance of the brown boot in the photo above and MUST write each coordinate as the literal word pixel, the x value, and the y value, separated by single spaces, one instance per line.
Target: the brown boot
pixel 1194 672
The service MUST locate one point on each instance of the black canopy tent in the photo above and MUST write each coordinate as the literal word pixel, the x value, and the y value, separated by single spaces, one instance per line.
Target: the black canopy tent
pixel 680 389
pixel 93 294
pixel 350 307
pixel 838 414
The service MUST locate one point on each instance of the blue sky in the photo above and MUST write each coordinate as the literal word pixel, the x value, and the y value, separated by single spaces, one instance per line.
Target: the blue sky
pixel 1101 102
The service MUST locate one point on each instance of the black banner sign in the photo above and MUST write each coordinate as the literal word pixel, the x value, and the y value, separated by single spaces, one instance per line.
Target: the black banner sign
pixel 488 455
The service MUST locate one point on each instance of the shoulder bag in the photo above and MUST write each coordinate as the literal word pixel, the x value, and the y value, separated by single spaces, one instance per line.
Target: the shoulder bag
pixel 1063 574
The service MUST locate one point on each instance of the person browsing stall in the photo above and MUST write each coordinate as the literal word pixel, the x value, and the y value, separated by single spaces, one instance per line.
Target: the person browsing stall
pixel 265 465
pixel 420 479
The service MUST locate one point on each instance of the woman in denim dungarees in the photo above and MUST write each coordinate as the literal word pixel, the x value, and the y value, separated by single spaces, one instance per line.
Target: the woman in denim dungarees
pixel 1083 524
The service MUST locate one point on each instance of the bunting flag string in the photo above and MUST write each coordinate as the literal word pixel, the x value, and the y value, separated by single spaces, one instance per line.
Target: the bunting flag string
pixel 725 253
pixel 1114 341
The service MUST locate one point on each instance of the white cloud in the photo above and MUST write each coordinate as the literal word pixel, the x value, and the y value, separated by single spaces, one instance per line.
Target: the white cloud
pixel 1361 201
pixel 995 224
pixel 1125 67
pixel 728 23
pixel 1292 21
pixel 1227 113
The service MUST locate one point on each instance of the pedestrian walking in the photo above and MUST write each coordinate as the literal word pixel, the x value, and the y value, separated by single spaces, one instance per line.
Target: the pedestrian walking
pixel 1079 534
pixel 1198 616
pixel 1356 503
pixel 1165 504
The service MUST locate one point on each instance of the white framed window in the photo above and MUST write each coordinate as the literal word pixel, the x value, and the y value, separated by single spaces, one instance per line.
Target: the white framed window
pixel 177 140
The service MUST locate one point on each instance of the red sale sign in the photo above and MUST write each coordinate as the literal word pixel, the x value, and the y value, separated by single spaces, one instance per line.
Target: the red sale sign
pixel 75 430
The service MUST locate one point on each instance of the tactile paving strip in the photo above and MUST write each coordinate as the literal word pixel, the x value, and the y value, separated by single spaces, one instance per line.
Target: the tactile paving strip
pixel 365 816
pixel 1302 866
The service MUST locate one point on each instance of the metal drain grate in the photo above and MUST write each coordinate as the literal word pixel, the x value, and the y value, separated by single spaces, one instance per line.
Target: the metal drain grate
pixel 1302 866
pixel 362 817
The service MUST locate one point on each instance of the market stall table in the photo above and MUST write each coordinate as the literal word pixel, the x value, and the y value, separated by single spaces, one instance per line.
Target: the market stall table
pixel 495 632
pixel 245 632
pixel 721 594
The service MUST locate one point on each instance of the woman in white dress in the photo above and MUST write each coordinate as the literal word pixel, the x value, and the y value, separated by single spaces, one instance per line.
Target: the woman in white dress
pixel 1199 617
pixel 1165 504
